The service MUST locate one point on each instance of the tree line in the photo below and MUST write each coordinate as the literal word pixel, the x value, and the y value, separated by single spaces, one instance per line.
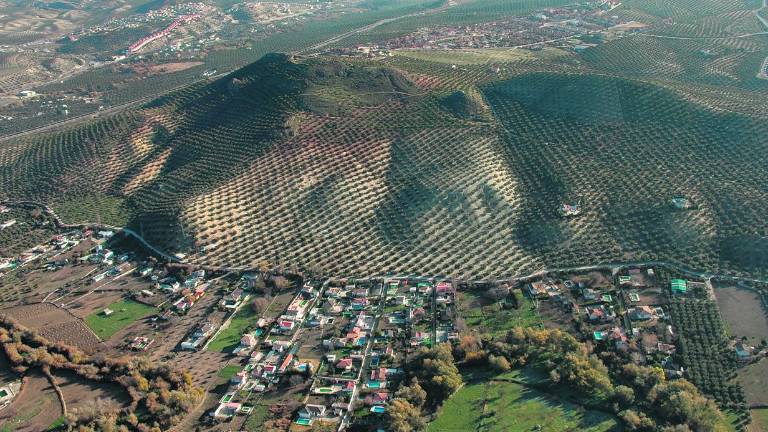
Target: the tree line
pixel 160 395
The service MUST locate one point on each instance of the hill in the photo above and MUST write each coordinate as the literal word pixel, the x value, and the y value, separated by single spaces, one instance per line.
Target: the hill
pixel 357 166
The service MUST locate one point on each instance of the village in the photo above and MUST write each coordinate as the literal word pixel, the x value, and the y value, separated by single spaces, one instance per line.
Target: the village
pixel 341 345
pixel 344 341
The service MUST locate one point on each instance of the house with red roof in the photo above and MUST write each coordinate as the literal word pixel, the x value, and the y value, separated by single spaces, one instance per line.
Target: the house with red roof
pixel 377 398
pixel 286 363
pixel 286 326
pixel 344 364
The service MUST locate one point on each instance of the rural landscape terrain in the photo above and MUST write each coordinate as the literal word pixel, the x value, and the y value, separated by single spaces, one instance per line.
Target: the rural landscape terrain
pixel 401 215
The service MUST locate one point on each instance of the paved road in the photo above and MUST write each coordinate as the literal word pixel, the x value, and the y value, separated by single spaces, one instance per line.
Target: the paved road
pixel 237 269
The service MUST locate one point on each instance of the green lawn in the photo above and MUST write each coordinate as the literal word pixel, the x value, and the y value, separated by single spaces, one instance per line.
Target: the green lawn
pixel 229 371
pixel 125 313
pixel 229 338
pixel 58 424
pixel 489 406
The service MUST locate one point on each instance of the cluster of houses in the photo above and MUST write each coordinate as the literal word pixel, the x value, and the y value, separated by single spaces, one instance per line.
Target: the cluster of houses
pixel 99 255
pixel 561 26
pixel 269 350
pixel 350 336
pixel 378 322
pixel 198 337
pixel 627 316
pixel 56 246
pixel 193 289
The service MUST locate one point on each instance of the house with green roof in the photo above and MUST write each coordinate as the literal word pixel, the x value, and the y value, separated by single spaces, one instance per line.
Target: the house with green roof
pixel 679 286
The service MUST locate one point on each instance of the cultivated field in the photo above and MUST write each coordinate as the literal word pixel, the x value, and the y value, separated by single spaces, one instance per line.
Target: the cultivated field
pixel 80 394
pixel 55 324
pixel 759 420
pixel 355 168
pixel 753 379
pixel 743 312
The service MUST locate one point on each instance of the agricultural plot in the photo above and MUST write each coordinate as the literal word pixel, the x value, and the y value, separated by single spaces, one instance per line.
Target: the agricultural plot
pixel 759 420
pixel 35 408
pixel 25 232
pixel 480 56
pixel 613 123
pixel 55 324
pixel 80 394
pixel 123 313
pixel 108 209
pixel 752 379
pixel 710 364
pixel 729 65
pixel 354 163
pixel 701 19
pixel 743 312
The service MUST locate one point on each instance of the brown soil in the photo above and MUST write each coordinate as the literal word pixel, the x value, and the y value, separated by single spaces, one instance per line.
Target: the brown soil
pixel 35 408
pixel 743 311
pixel 38 315
pixel 80 393
pixel 169 335
pixel 759 420
pixel 753 379
pixel 55 324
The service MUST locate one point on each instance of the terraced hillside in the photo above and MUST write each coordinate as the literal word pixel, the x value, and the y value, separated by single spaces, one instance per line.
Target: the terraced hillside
pixel 416 166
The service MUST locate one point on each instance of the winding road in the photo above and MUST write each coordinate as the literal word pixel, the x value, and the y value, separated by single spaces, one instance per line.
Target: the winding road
pixel 612 266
